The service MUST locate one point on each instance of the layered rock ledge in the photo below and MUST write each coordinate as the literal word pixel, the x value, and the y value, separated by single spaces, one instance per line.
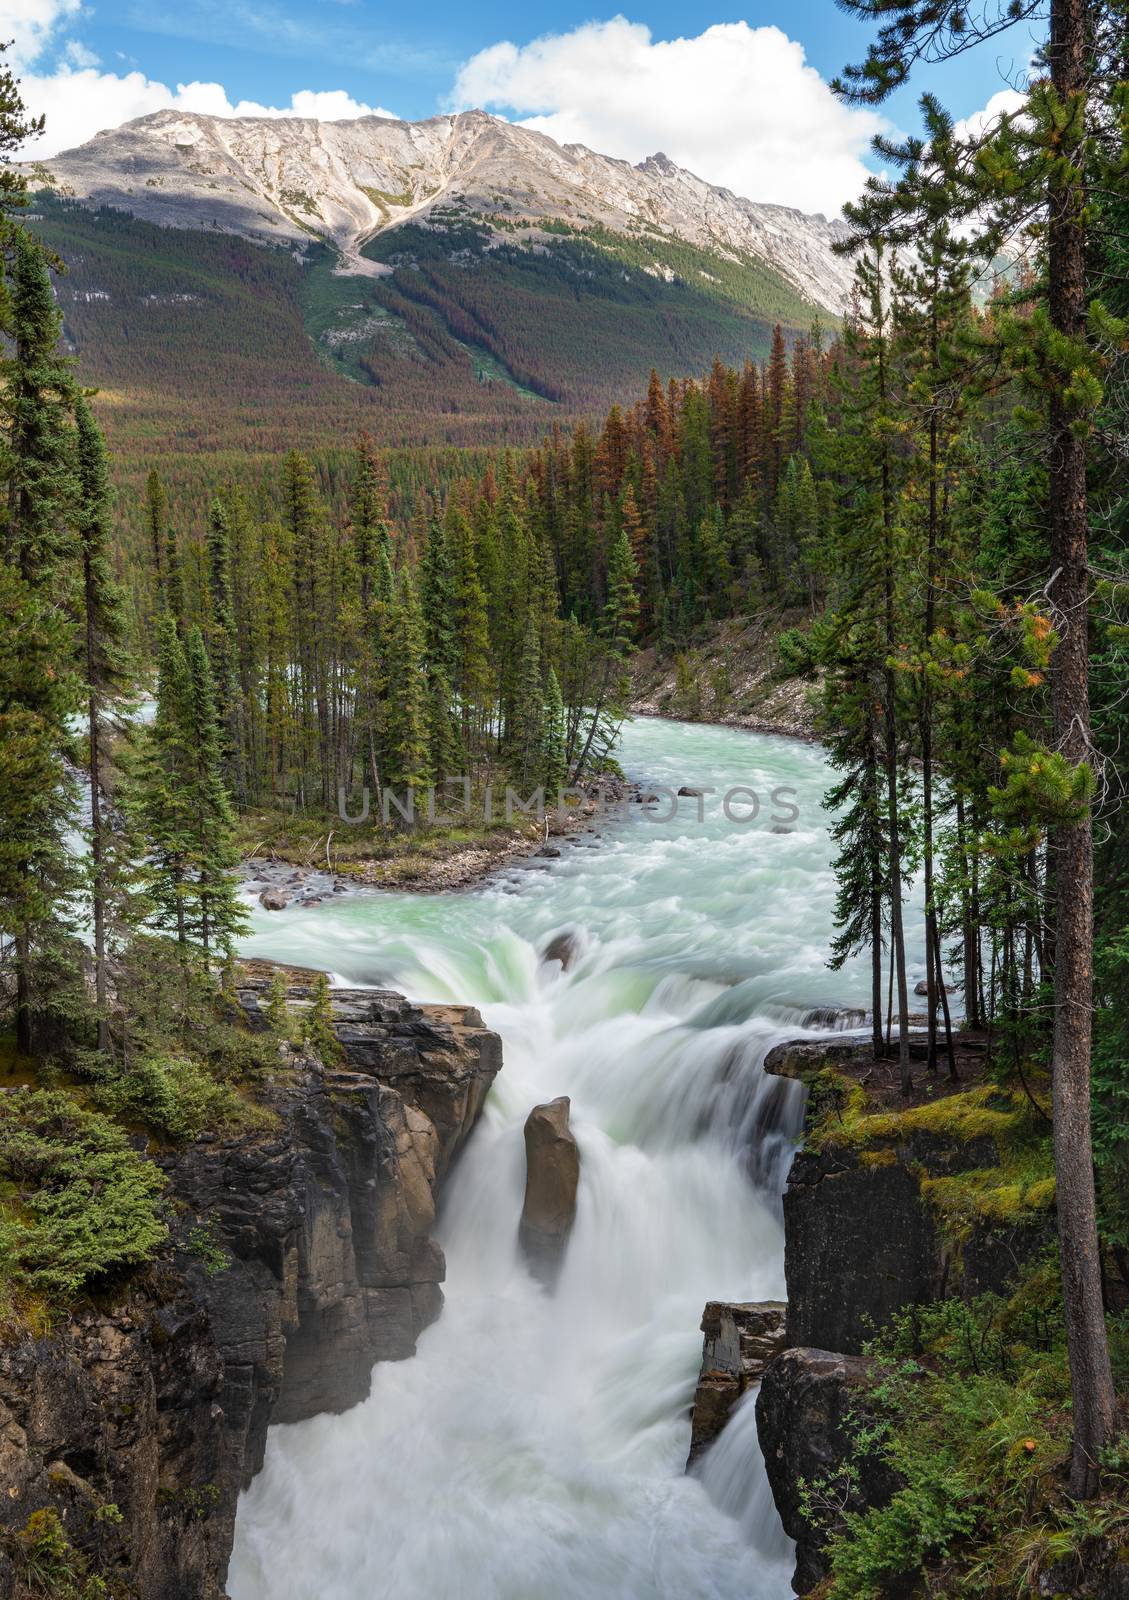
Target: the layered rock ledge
pixel 303 1255
pixel 741 1338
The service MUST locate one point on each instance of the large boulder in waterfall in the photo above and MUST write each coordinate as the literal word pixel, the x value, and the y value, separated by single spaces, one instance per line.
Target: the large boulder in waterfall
pixel 741 1338
pixel 562 947
pixel 552 1174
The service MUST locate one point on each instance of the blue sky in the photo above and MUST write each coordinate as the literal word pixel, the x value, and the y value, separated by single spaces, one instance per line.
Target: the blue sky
pixel 735 91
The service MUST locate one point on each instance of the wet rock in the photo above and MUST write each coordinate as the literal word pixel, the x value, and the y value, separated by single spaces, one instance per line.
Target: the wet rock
pixel 691 794
pixel 922 987
pixel 550 850
pixel 805 1398
pixel 741 1338
pixel 274 899
pixel 562 947
pixel 552 1174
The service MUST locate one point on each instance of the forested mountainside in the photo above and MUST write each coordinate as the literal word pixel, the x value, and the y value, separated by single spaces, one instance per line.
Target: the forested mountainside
pixel 465 289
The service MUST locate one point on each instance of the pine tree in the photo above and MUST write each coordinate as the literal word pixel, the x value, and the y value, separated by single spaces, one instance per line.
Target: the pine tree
pixel 277 1009
pixel 1045 158
pixel 181 806
pixel 472 636
pixel 437 603
pixel 38 395
pixel 406 732
pixel 527 723
pixel 156 520
pixel 104 667
pixel 317 1030
pixel 39 691
pixel 554 756
pixel 222 651
pixel 213 856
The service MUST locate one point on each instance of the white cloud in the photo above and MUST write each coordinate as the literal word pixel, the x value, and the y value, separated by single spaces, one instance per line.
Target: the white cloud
pixel 61 78
pixel 737 105
pixel 1002 104
pixel 31 24
pixel 79 102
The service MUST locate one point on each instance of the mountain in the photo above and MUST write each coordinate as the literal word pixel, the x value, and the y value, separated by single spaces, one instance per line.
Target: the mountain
pixel 347 182
pixel 243 284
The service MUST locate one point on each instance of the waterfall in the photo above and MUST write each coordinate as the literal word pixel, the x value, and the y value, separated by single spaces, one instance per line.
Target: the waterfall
pixel 535 1445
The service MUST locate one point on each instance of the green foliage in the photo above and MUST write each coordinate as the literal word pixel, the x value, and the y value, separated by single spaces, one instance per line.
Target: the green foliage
pixel 796 654
pixel 76 1202
pixel 277 1010
pixel 317 1031
pixel 47 1565
pixel 969 1413
pixel 173 1094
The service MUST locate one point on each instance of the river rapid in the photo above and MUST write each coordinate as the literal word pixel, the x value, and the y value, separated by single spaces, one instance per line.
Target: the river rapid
pixel 534 1447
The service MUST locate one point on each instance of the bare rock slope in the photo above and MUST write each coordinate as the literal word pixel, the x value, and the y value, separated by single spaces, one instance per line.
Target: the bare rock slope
pixel 290 179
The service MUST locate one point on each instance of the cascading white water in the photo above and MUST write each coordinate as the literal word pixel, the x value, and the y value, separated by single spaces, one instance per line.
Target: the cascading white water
pixel 534 1447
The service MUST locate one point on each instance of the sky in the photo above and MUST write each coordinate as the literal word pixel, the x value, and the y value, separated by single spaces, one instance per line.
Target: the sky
pixel 738 93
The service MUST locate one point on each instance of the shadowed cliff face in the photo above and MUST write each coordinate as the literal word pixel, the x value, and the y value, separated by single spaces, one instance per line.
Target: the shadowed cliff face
pixel 303 1256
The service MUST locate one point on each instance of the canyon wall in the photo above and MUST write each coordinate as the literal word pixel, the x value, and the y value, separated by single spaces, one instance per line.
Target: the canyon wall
pixel 302 1254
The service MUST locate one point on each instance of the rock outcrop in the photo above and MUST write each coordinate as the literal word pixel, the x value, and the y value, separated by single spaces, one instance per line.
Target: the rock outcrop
pixel 802 1409
pixel 552 1174
pixel 863 1235
pixel 302 1255
pixel 741 1338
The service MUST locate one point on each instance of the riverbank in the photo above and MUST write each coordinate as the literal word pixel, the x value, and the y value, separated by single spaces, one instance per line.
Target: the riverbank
pixel 291 860
pixel 729 673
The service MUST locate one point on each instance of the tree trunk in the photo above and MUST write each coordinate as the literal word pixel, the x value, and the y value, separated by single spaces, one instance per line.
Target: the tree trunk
pixel 1087 1343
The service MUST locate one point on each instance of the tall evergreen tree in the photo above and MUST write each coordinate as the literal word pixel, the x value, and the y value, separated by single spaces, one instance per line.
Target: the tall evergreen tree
pixel 105 667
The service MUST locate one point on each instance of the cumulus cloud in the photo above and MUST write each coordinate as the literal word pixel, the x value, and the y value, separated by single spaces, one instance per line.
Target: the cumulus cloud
pixel 31 25
pixel 78 103
pixel 79 98
pixel 1002 104
pixel 740 106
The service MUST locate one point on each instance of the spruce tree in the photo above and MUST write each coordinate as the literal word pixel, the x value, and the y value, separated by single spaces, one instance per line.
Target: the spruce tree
pixel 39 691
pixel 39 392
pixel 105 668
pixel 222 651
pixel 1039 168
pixel 406 730
pixel 219 916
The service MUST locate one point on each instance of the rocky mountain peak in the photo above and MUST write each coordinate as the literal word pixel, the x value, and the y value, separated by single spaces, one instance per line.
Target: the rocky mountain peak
pixel 290 180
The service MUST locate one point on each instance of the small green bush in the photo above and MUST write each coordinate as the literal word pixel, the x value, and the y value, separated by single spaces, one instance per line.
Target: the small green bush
pixel 76 1201
pixel 172 1093
pixel 795 657
pixel 970 1410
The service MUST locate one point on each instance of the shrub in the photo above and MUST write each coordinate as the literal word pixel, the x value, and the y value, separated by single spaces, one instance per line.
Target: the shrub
pixel 795 657
pixel 972 1409
pixel 76 1201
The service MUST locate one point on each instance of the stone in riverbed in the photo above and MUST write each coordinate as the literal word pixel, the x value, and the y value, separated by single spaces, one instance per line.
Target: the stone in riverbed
pixel 740 1340
pixel 552 1175
pixel 274 899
